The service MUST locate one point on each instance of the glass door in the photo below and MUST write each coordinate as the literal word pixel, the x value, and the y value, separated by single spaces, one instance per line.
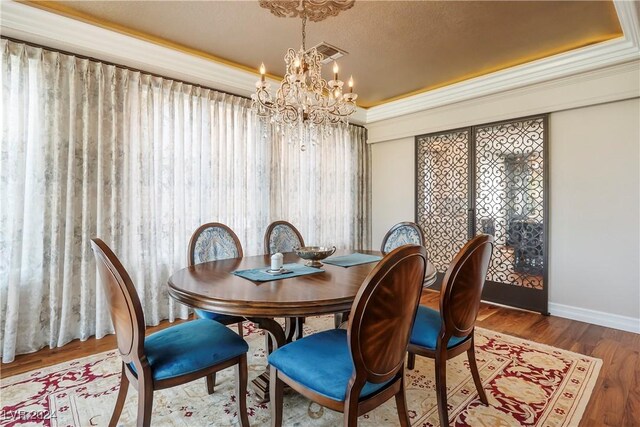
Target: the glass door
pixel 510 204
pixel 442 194
pixel 489 179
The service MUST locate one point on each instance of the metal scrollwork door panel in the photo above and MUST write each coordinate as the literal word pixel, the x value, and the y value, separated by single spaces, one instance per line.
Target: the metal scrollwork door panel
pixel 489 179
pixel 442 194
pixel 510 203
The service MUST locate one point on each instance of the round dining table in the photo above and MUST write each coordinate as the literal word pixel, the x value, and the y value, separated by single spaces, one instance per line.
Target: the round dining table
pixel 212 286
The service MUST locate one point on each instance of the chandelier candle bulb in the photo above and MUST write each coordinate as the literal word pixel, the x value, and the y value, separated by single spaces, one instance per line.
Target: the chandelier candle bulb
pixel 335 71
pixel 351 84
pixel 262 72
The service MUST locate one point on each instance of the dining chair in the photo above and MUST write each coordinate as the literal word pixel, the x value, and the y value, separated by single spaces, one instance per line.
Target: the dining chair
pixel 168 358
pixel 403 233
pixel 355 370
pixel 282 236
pixel 448 333
pixel 211 242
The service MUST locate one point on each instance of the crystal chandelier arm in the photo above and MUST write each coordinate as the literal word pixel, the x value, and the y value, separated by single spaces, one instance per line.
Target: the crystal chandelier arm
pixel 290 115
pixel 313 59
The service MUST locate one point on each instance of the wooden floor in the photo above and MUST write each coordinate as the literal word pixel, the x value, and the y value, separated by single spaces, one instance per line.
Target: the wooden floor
pixel 615 400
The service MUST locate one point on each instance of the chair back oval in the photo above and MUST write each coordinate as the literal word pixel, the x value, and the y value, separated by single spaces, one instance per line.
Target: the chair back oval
pixel 403 233
pixel 124 305
pixel 211 242
pixel 383 313
pixel 282 236
pixel 462 286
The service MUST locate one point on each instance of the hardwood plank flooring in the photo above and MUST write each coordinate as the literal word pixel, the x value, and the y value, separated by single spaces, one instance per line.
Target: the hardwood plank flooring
pixel 73 350
pixel 615 400
pixel 616 397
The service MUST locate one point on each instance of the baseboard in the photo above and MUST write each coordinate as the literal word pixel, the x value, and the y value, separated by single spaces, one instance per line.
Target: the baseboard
pixel 600 318
pixel 624 323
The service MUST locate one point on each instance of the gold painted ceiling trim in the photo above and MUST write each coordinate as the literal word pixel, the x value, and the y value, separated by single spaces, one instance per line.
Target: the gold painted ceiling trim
pixel 484 72
pixel 60 9
pixel 54 7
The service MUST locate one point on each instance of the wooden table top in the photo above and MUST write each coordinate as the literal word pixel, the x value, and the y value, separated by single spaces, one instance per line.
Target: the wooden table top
pixel 211 286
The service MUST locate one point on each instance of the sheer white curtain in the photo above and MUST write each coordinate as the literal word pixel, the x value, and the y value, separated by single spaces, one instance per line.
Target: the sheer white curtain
pixel 90 149
pixel 324 191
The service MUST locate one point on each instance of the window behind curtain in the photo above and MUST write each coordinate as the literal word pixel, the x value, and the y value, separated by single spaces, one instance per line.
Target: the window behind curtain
pixel 90 149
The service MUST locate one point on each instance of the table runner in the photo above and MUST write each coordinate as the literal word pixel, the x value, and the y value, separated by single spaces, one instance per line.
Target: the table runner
pixel 352 259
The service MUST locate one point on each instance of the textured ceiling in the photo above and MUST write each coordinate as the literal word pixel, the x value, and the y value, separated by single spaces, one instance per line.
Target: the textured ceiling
pixel 395 48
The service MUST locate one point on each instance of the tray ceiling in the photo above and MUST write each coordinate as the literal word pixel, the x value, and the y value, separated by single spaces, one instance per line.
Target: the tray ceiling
pixel 396 48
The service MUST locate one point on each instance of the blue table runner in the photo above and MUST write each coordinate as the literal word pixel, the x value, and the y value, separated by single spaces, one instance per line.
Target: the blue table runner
pixel 352 259
pixel 261 275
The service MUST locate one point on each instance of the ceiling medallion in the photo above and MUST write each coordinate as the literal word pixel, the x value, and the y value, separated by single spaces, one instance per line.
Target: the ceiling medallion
pixel 314 10
pixel 305 106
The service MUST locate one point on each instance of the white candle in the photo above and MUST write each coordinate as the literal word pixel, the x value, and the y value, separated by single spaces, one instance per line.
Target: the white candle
pixel 276 261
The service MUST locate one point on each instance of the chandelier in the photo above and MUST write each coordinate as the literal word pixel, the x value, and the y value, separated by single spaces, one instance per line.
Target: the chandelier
pixel 305 105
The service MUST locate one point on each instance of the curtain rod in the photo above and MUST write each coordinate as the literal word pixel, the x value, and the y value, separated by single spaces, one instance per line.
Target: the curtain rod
pixel 137 70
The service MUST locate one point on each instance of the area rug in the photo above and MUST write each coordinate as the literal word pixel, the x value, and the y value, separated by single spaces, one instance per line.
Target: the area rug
pixel 526 383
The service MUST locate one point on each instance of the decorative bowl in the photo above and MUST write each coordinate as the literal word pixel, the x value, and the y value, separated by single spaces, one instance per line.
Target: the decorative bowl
pixel 313 254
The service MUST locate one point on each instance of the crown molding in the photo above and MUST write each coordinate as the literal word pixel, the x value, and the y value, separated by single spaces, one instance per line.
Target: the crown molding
pixel 610 84
pixel 35 25
pixel 629 17
pixel 601 55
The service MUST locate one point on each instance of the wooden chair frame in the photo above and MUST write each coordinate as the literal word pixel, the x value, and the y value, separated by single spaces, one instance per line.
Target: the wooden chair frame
pixel 481 245
pixel 399 225
pixel 364 369
pixel 211 379
pixel 129 322
pixel 267 234
pixel 297 333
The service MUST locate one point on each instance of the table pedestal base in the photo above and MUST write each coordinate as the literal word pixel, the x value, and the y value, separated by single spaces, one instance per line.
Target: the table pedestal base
pixel 276 338
pixel 261 387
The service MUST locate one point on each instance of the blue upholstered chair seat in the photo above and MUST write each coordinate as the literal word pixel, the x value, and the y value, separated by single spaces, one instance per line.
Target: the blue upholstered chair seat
pixel 321 362
pixel 427 327
pixel 225 319
pixel 190 347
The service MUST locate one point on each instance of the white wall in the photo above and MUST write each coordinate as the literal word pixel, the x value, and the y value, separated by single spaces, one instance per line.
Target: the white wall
pixel 595 208
pixel 594 246
pixel 392 186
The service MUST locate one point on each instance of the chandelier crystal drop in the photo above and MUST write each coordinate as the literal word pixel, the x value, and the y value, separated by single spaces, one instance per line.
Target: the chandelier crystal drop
pixel 305 106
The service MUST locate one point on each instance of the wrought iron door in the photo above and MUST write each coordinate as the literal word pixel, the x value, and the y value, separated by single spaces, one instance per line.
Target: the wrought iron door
pixel 442 200
pixel 501 175
pixel 510 203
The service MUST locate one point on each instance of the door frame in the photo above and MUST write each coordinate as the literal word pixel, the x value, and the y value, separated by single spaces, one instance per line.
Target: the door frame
pixel 502 293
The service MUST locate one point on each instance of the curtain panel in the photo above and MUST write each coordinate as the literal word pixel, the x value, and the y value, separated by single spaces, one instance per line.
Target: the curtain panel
pixel 95 150
pixel 325 190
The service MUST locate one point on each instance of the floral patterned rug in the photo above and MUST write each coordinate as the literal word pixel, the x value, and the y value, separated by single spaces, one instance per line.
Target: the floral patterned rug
pixel 527 384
